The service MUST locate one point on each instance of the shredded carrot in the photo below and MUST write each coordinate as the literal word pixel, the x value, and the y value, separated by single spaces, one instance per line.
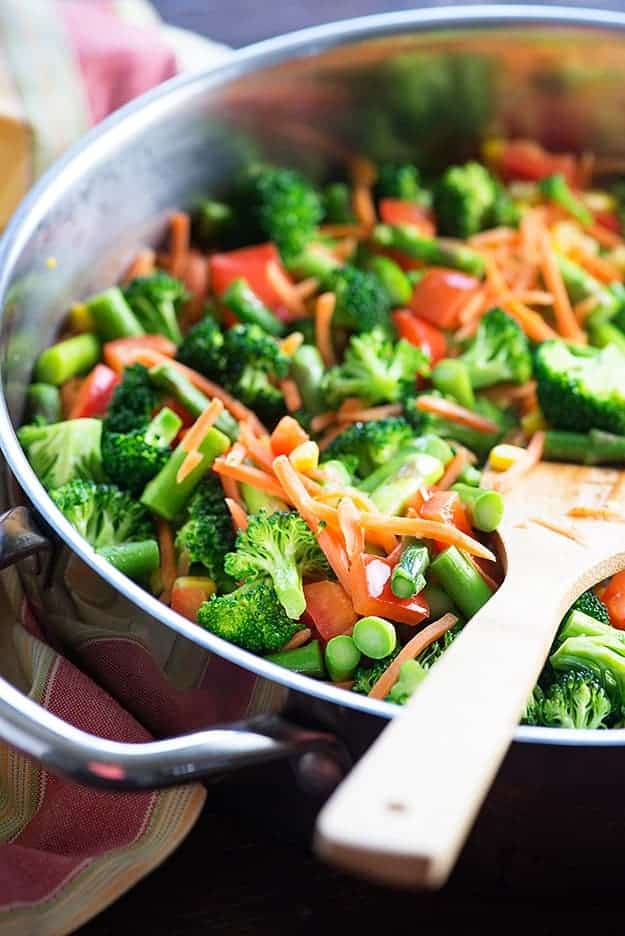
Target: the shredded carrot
pixel 453 470
pixel 363 171
pixel 142 265
pixel 598 266
pixel 410 651
pixel 179 241
pixel 202 424
pixel 512 393
pixel 306 288
pixel 596 513
pixel 455 413
pixel 322 421
pixel 292 398
pixel 366 415
pixel 230 487
pixel 195 277
pixel 533 453
pixel 238 514
pixel 291 343
pixel 583 309
pixel 150 358
pixel 535 297
pixel 324 310
pixel 603 235
pixel 189 465
pixel 298 639
pixel 285 290
pixel 492 584
pixel 474 306
pixel 531 322
pixel 249 475
pixel 343 250
pixel 168 557
pixel 364 206
pixel 429 529
pixel 329 437
pixel 350 528
pixel 258 448
pixel 386 540
pixel 343 230
pixel 558 528
pixel 495 236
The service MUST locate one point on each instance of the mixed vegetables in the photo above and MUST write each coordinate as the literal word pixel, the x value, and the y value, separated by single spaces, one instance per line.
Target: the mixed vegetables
pixel 295 424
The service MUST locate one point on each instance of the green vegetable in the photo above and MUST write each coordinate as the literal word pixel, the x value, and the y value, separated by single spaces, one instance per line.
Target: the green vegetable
pixel 593 607
pixel 468 199
pixel 411 675
pixel 165 495
pixel 556 189
pixel 579 623
pixel 582 285
pixel 112 316
pixel 209 220
pixel 581 388
pixel 374 369
pixel 433 252
pixel 133 403
pixel 156 301
pixel 315 261
pixel 307 660
pixel 375 637
pixel 408 576
pixel 167 377
pixel 438 601
pixel 451 378
pixel 63 451
pixel 393 493
pixel 131 459
pixel 307 370
pixel 250 617
pixel 372 443
pixel 206 535
pixel 342 656
pixel 479 442
pixel 393 279
pixel 399 180
pixel 275 204
pixel 249 309
pixel 283 547
pixel 337 204
pixel 257 500
pixel 69 358
pixel 43 404
pixel 602 333
pixel 362 302
pixel 136 560
pixel 432 654
pixel 485 507
pixel 202 348
pixel 103 514
pixel 499 352
pixel 574 700
pixel 404 463
pixel 592 448
pixel 470 475
pixel 368 673
pixel 461 580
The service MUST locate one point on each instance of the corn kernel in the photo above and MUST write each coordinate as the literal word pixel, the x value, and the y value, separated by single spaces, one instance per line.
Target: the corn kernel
pixel 504 456
pixel 80 318
pixel 305 457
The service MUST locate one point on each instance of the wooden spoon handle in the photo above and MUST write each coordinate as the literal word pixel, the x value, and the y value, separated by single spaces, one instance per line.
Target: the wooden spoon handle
pixel 403 813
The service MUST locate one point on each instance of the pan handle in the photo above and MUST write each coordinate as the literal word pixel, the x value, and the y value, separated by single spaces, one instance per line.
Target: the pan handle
pixel 115 765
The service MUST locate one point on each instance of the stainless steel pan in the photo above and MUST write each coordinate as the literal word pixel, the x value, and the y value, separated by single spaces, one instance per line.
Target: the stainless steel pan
pixel 429 83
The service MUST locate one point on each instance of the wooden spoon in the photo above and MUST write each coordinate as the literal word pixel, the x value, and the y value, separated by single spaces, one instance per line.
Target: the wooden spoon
pixel 404 812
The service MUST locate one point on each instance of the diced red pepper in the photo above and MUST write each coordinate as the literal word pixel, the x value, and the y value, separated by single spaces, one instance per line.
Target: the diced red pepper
pixel 440 295
pixel 609 220
pixel 400 211
pixel 189 593
pixel 526 160
pixel 371 593
pixel 250 263
pixel 418 332
pixel 329 608
pixel 446 507
pixel 94 395
pixel 614 600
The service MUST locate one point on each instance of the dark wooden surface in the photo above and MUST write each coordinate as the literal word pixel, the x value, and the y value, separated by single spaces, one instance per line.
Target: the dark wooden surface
pixel 246 868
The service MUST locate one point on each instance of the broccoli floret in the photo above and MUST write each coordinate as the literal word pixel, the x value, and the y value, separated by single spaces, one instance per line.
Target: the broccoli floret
pixel 133 401
pixel 468 199
pixel 337 204
pixel 434 652
pixel 278 205
pixel 411 675
pixel 362 302
pixel 202 348
pixel 103 514
pixel 372 443
pixel 555 188
pixel 399 180
pixel 499 352
pixel 573 700
pixel 156 301
pixel 581 388
pixel 253 361
pixel 374 369
pixel 60 452
pixel 207 534
pixel 250 617
pixel 282 546
pixel 366 676
pixel 131 459
pixel 589 604
pixel 479 442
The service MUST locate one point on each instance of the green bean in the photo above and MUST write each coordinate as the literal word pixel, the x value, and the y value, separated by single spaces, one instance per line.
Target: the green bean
pixel 451 377
pixel 408 578
pixel 112 315
pixel 249 309
pixel 438 601
pixel 163 428
pixel 602 334
pixel 318 264
pixel 167 377
pixel 375 637
pixel 342 657
pixel 461 580
pixel 485 507
pixel 406 238
pixel 43 403
pixel 307 659
pixel 209 220
pixel 393 278
pixel 67 359
pixel 307 371
pixel 256 500
pixel 470 475
pixel 136 560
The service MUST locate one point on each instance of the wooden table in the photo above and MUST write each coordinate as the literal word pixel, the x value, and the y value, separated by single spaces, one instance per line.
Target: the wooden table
pixel 246 868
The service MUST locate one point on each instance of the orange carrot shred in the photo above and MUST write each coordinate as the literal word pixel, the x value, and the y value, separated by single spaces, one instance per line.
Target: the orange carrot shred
pixel 324 310
pixel 329 437
pixel 350 528
pixel 429 529
pixel 190 463
pixel 364 206
pixel 180 236
pixel 142 265
pixel 322 421
pixel 410 651
pixel 202 424
pixel 168 557
pixel 603 235
pixel 291 394
pixel 533 453
pixel 453 470
pixel 298 639
pixel 258 448
pixel 249 475
pixel 238 514
pixel 291 343
pixel 374 412
pixel 455 413
pixel 566 322
pixel 285 290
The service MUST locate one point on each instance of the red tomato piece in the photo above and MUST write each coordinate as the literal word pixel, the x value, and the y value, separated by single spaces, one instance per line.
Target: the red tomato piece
pixel 250 263
pixel 614 600
pixel 400 211
pixel 418 332
pixel 609 220
pixel 371 592
pixel 189 593
pixel 329 608
pixel 524 159
pixel 440 296
pixel 94 395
